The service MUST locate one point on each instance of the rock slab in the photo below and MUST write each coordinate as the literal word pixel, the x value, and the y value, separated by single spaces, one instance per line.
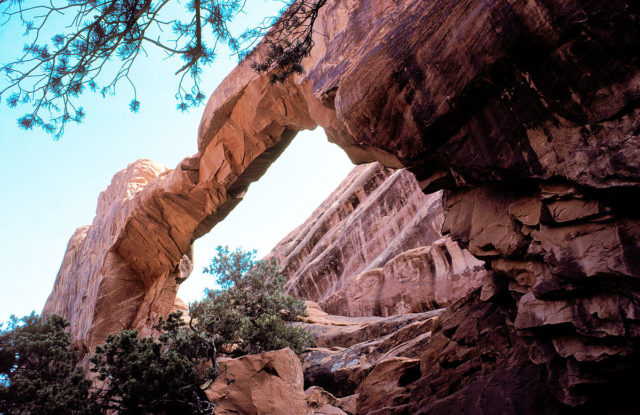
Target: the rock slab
pixel 263 384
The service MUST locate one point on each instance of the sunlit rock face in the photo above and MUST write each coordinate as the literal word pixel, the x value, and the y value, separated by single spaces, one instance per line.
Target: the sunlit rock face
pixel 374 248
pixel 526 113
pixel 265 383
pixel 96 289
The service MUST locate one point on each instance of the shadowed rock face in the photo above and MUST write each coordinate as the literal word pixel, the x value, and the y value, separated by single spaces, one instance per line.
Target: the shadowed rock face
pixel 527 113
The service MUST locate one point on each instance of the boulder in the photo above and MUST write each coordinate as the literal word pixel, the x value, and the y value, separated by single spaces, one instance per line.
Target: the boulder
pixel 319 401
pixel 265 383
pixel 346 359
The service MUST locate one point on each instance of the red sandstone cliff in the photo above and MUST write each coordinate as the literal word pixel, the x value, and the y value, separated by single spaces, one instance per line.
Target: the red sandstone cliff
pixel 374 248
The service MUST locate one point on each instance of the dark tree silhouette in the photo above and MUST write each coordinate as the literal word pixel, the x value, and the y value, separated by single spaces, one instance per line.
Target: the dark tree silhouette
pixel 101 40
pixel 38 373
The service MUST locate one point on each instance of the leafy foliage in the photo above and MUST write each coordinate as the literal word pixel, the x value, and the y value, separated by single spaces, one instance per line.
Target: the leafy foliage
pixel 38 369
pixel 142 375
pixel 102 39
pixel 138 375
pixel 249 314
pixel 288 39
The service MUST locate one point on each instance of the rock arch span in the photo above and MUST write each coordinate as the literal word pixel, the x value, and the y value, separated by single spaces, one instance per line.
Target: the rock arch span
pixel 528 113
pixel 123 271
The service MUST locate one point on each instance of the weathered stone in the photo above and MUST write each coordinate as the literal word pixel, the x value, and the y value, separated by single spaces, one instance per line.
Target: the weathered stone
pixel 526 211
pixel 333 330
pixel 476 363
pixel 349 404
pixel 480 218
pixel 318 397
pixel 96 289
pixel 319 401
pixel 374 215
pixel 571 210
pixel 267 383
pixel 342 368
pixel 416 280
pixel 329 410
pixel 388 385
pixel 359 255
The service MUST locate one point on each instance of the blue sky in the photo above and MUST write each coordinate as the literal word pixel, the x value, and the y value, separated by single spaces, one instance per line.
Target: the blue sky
pixel 48 188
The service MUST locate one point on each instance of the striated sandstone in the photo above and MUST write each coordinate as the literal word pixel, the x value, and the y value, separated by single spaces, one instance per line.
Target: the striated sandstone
pixel 416 280
pixel 374 248
pixel 334 330
pixel 351 347
pixel 374 215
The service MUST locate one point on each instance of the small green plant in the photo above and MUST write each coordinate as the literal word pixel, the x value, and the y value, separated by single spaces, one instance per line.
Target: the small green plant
pixel 249 313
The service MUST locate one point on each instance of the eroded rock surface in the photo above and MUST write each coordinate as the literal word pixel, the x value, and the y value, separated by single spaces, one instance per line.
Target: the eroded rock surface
pixel 374 248
pixel 419 279
pixel 266 383
pixel 319 401
pixel 96 289
pixel 349 348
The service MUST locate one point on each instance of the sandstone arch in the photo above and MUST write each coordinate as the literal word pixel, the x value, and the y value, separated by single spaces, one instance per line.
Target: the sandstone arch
pixel 148 217
pixel 528 112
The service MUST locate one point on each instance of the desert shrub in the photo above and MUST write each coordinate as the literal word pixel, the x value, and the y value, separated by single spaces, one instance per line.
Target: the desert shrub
pixel 249 313
pixel 38 373
pixel 144 375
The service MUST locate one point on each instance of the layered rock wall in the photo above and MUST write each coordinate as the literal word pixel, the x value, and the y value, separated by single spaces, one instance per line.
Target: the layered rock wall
pixel 374 248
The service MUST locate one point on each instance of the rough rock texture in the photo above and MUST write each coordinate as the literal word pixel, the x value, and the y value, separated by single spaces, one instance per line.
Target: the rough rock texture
pixel 374 247
pixel 416 280
pixel 96 289
pixel 349 348
pixel 265 383
pixel 526 112
pixel 333 330
pixel 387 386
pixel 319 401
pixel 476 363
pixel 374 214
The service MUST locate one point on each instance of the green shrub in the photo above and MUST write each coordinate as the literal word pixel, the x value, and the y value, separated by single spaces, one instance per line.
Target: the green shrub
pixel 143 375
pixel 249 313
pixel 38 373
